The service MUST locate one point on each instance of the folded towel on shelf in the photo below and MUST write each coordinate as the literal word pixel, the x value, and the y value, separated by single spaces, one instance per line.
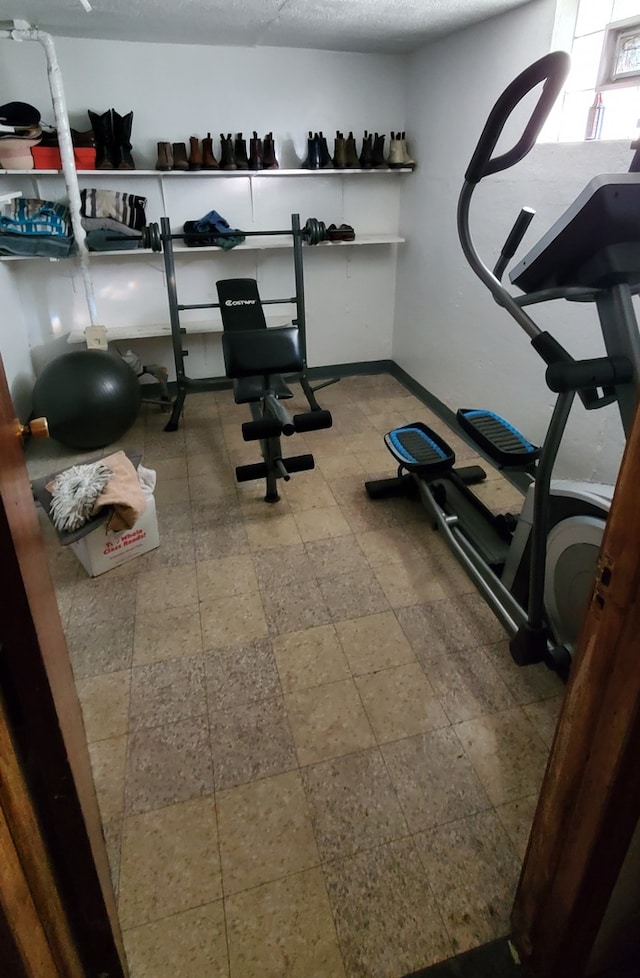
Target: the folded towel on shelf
pixel 128 209
pixel 32 216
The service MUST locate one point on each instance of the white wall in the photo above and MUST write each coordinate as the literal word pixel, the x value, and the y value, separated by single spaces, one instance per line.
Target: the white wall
pixel 177 91
pixel 449 333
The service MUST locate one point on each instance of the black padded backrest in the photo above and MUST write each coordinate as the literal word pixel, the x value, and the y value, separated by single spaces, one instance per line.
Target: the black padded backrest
pixel 255 352
pixel 240 305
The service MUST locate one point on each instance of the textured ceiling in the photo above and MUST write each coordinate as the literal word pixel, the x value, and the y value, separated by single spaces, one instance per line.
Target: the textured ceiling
pixel 390 26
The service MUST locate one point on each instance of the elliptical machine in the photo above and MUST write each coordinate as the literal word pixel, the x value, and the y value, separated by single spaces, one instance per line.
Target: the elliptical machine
pixel 537 571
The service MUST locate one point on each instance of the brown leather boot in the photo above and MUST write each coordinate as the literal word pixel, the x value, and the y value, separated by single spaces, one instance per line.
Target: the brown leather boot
pixel 209 162
pixel 256 161
pixel 269 153
pixel 180 161
pixel 195 154
pixel 165 157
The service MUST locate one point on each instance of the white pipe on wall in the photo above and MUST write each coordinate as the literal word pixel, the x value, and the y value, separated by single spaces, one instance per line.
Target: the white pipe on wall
pixel 66 152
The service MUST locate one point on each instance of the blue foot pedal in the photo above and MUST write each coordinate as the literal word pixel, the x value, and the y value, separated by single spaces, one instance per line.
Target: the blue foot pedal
pixel 419 449
pixel 497 438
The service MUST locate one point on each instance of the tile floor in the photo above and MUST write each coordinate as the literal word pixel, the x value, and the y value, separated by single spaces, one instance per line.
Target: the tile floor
pixel 313 755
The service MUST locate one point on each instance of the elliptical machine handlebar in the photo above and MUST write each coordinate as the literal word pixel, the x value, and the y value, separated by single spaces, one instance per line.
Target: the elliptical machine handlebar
pixel 552 69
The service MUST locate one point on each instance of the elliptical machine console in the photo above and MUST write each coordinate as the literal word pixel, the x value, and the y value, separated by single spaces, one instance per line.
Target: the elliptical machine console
pixel 537 572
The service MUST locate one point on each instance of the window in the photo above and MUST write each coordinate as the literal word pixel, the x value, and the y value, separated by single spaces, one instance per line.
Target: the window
pixel 602 94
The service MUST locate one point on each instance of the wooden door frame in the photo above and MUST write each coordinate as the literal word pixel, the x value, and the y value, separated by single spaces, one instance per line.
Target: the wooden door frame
pixel 45 719
pixel 589 804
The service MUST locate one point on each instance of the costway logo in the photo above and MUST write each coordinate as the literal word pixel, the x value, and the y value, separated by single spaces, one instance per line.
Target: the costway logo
pixel 240 302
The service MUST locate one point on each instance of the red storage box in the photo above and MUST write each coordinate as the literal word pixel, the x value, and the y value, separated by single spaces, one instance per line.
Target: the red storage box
pixel 48 158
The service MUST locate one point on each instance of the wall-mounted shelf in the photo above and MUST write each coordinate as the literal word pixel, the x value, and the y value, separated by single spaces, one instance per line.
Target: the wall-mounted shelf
pixel 254 244
pixel 194 174
pixel 144 331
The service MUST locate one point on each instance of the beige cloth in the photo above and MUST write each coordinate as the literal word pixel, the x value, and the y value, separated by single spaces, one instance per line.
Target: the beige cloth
pixel 123 492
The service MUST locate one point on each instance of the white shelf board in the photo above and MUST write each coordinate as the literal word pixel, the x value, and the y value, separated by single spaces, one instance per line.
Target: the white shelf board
pixel 254 244
pixel 149 330
pixel 172 174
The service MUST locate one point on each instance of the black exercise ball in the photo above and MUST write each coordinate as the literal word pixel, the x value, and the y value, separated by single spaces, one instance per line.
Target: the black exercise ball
pixel 90 398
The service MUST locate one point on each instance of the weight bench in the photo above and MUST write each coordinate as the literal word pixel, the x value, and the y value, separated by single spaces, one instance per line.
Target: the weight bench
pixel 255 359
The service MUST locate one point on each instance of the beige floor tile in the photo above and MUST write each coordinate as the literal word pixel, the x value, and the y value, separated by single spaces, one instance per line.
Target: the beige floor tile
pixel 310 657
pixel 544 716
pixel 353 804
pixel 163 588
pixel 436 628
pixel 254 507
pixel 108 760
pixel 341 555
pixel 400 702
pixel 353 595
pixel 409 582
pixel 284 929
pixel 169 633
pixel 341 464
pixel 517 817
pixel 387 545
pixel 308 490
pixel 467 685
pixel 191 944
pixel 250 741
pixel 473 870
pixel 434 779
pixel 506 752
pixel 328 721
pixel 283 566
pixel 242 674
pixel 105 705
pixel 527 684
pixel 499 495
pixel 169 491
pixel 267 534
pixel 232 621
pixel 225 577
pixel 170 862
pixel 292 607
pixel 167 469
pixel 387 920
pixel 265 832
pixel 167 692
pixel 321 524
pixel 167 765
pixel 374 642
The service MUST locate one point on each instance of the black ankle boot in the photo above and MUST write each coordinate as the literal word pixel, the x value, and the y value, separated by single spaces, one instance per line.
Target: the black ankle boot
pixel 269 153
pixel 227 155
pixel 312 161
pixel 256 159
pixel 103 133
pixel 240 152
pixel 378 161
pixel 122 124
pixel 351 156
pixel 323 150
pixel 366 156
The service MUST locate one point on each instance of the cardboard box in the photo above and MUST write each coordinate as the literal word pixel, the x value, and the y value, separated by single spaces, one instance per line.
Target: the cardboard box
pixel 100 551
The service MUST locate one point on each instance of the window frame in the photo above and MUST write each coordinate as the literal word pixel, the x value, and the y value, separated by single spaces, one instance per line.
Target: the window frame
pixel 614 34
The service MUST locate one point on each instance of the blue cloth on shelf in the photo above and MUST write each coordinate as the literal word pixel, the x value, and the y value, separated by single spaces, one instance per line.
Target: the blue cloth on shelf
pixel 32 216
pixel 37 245
pixel 219 232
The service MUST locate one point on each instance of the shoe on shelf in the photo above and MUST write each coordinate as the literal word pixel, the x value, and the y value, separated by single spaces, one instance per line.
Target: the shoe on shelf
pixel 269 153
pixel 195 153
pixel 326 163
pixel 165 157
pixel 339 151
pixel 408 160
pixel 227 154
pixel 366 155
pixel 396 155
pixel 312 161
pixel 351 156
pixel 343 233
pixel 122 124
pixel 240 153
pixel 378 161
pixel 103 132
pixel 256 160
pixel 180 161
pixel 209 162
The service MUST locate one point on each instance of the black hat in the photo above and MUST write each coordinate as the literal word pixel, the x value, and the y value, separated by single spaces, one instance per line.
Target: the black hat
pixel 21 115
